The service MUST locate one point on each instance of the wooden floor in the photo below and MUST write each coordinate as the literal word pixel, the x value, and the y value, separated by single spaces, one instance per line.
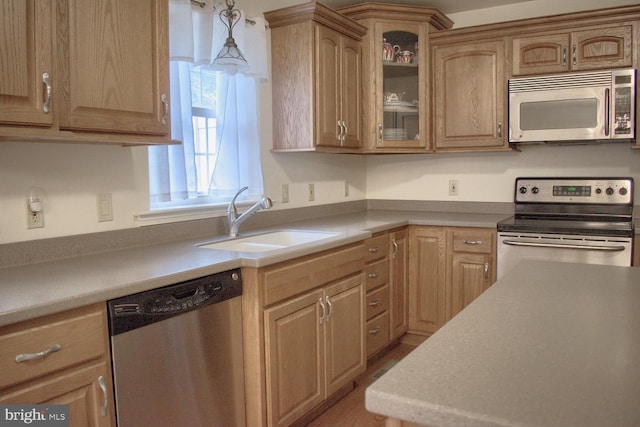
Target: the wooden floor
pixel 350 410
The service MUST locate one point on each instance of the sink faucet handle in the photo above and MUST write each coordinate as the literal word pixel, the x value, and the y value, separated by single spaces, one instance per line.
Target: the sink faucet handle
pixel 232 205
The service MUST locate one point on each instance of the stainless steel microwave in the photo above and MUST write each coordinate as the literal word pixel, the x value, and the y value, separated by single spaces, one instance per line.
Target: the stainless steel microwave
pixel 589 106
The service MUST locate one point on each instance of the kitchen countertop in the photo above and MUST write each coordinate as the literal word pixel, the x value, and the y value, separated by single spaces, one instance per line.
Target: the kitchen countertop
pixel 34 290
pixel 550 344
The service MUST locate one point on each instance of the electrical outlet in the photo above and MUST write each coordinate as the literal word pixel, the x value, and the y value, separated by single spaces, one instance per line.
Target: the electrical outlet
pixel 346 189
pixel 285 193
pixel 312 192
pixel 104 206
pixel 34 219
pixel 454 187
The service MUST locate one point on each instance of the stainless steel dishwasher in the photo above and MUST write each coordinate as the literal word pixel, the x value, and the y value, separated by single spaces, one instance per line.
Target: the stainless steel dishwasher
pixel 177 354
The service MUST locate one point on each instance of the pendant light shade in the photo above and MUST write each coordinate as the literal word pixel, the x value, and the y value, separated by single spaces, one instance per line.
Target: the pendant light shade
pixel 230 59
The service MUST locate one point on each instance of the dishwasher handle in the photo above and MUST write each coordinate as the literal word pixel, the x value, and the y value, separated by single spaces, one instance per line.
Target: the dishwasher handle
pixel 616 248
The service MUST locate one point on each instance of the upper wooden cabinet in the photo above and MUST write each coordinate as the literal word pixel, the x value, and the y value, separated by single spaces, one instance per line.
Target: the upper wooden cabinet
pixel 25 62
pixel 587 49
pixel 470 99
pixel 316 79
pixel 396 90
pixel 85 71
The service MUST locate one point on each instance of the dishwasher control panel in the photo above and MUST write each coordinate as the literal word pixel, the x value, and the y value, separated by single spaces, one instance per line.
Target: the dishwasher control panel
pixel 137 310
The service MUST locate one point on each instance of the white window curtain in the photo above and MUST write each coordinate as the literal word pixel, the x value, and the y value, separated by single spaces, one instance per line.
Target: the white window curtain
pixel 196 36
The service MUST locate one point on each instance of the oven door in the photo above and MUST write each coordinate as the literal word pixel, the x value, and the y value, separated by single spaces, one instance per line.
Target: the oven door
pixel 514 247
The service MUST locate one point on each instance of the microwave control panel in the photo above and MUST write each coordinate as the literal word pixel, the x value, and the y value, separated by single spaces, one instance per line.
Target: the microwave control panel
pixel 574 190
pixel 623 99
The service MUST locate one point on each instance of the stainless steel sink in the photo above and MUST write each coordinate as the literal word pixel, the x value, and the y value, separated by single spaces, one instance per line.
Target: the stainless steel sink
pixel 270 241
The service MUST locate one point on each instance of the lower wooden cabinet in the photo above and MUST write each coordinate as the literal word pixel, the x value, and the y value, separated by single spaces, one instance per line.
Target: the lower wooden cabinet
pixel 449 268
pixel 399 282
pixel 304 333
pixel 60 359
pixel 314 346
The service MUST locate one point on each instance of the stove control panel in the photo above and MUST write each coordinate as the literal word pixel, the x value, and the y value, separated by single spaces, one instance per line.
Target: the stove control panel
pixel 574 190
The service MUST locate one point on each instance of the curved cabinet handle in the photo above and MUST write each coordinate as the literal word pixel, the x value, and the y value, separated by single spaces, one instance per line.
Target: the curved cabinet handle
pixel 486 272
pixel 324 311
pixel 374 331
pixel 346 130
pixel 330 305
pixel 372 275
pixel 574 54
pixel 500 129
pixel 380 133
pixel 29 356
pixel 105 402
pixel 374 303
pixel 564 56
pixel 374 250
pixel 46 105
pixel 395 248
pixel 165 107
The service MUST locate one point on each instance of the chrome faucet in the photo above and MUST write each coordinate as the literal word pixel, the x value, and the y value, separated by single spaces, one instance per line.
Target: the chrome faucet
pixel 234 221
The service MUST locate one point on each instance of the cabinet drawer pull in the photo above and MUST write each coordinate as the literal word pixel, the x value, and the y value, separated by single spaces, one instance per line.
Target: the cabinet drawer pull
pixel 105 402
pixel 395 247
pixel 165 106
pixel 46 105
pixel 324 310
pixel 373 275
pixel 374 250
pixel 43 353
pixel 472 242
pixel 574 54
pixel 374 303
pixel 380 133
pixel 374 331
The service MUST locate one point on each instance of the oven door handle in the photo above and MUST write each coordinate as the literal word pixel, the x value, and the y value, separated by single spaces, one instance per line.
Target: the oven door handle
pixel 565 246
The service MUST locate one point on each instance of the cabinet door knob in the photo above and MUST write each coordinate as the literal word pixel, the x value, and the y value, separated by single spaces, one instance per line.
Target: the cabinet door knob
pixel 46 105
pixel 29 356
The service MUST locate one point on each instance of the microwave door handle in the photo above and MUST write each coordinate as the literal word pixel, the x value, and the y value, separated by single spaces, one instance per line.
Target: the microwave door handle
pixel 607 106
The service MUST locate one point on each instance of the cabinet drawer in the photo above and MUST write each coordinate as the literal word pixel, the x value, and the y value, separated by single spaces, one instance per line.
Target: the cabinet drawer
pixel 377 302
pixel 294 278
pixel 377 274
pixel 80 334
pixel 376 247
pixel 377 333
pixel 474 240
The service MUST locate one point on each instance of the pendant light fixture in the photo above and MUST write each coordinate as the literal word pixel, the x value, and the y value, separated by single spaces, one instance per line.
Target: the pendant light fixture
pixel 230 59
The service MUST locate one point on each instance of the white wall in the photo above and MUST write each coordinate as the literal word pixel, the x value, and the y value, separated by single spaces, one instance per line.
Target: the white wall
pixel 72 175
pixel 489 177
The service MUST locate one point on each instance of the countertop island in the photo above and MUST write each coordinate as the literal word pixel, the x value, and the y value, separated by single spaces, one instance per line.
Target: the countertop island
pixel 550 344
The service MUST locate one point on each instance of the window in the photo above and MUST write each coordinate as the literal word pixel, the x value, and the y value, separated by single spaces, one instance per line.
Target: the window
pixel 214 114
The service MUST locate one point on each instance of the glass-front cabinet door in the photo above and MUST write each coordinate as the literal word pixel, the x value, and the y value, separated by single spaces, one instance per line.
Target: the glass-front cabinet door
pixel 401 95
